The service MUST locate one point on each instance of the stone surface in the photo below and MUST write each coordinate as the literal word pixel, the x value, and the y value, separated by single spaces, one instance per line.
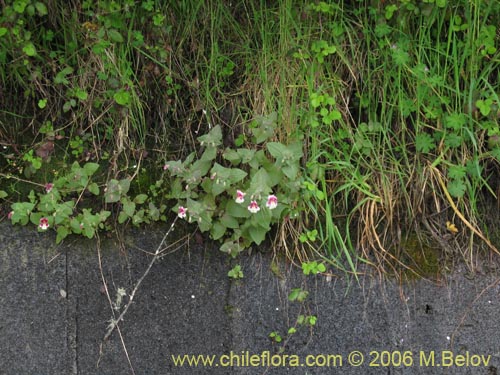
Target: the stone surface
pixel 54 312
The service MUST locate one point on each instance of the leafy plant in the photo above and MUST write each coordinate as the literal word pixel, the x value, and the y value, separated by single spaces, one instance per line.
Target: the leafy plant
pixel 236 272
pixel 313 268
pixel 239 202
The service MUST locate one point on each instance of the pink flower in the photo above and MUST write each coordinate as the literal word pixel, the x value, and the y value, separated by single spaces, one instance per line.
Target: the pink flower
pixel 9 215
pixel 272 202
pixel 240 196
pixel 165 167
pixel 48 187
pixel 44 223
pixel 182 212
pixel 253 207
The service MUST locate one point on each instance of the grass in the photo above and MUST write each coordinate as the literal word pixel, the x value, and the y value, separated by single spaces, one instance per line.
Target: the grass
pixel 395 102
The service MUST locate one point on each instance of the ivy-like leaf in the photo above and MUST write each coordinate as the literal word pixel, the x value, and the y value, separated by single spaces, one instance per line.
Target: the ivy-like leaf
pixel 232 156
pixel 90 168
pixel 115 36
pixel 263 127
pixel 93 188
pixel 212 138
pixel 140 198
pixel 209 154
pixel 217 231
pixel 128 207
pixel 62 233
pixel 257 234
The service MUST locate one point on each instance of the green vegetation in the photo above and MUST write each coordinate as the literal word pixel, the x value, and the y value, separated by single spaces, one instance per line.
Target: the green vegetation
pixel 350 125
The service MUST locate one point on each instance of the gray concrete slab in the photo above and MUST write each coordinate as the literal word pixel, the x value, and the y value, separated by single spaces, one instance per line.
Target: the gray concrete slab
pixel 33 313
pixel 188 305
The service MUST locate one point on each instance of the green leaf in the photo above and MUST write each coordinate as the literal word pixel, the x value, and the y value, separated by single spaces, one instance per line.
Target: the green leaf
pixel 298 294
pixel 154 212
pixel 236 272
pixel 209 154
pixel 140 199
pixel 312 319
pixel 122 217
pixel 42 103
pixel 246 154
pixel 29 49
pixel 236 210
pixel 122 97
pixel 301 319
pixel 455 121
pixel 231 156
pixel 93 188
pixel 260 183
pixel 3 194
pixel 316 99
pixel 41 9
pixel 424 143
pixel 116 189
pixel 277 150
pixel 263 127
pixel 90 168
pixel 22 211
pixel 457 172
pixel 115 36
pixel 484 106
pixel 128 207
pixel 197 170
pixel 285 154
pixel 212 138
pixel 456 188
pixel 3 31
pixel 60 77
pixel 291 171
pixel 19 6
pixel 217 231
pixel 474 169
pixel 257 234
pixel 63 211
pixel 103 215
pixel 228 221
pixel 80 94
pixel 232 248
pixel 389 11
pixel 453 140
pixel 62 233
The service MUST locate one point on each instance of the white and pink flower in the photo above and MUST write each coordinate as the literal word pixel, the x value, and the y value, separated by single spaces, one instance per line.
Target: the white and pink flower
pixel 44 223
pixel 240 196
pixel 182 212
pixel 48 187
pixel 9 215
pixel 272 202
pixel 253 207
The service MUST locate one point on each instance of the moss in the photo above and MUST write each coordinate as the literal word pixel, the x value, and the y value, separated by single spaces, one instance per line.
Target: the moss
pixel 421 258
